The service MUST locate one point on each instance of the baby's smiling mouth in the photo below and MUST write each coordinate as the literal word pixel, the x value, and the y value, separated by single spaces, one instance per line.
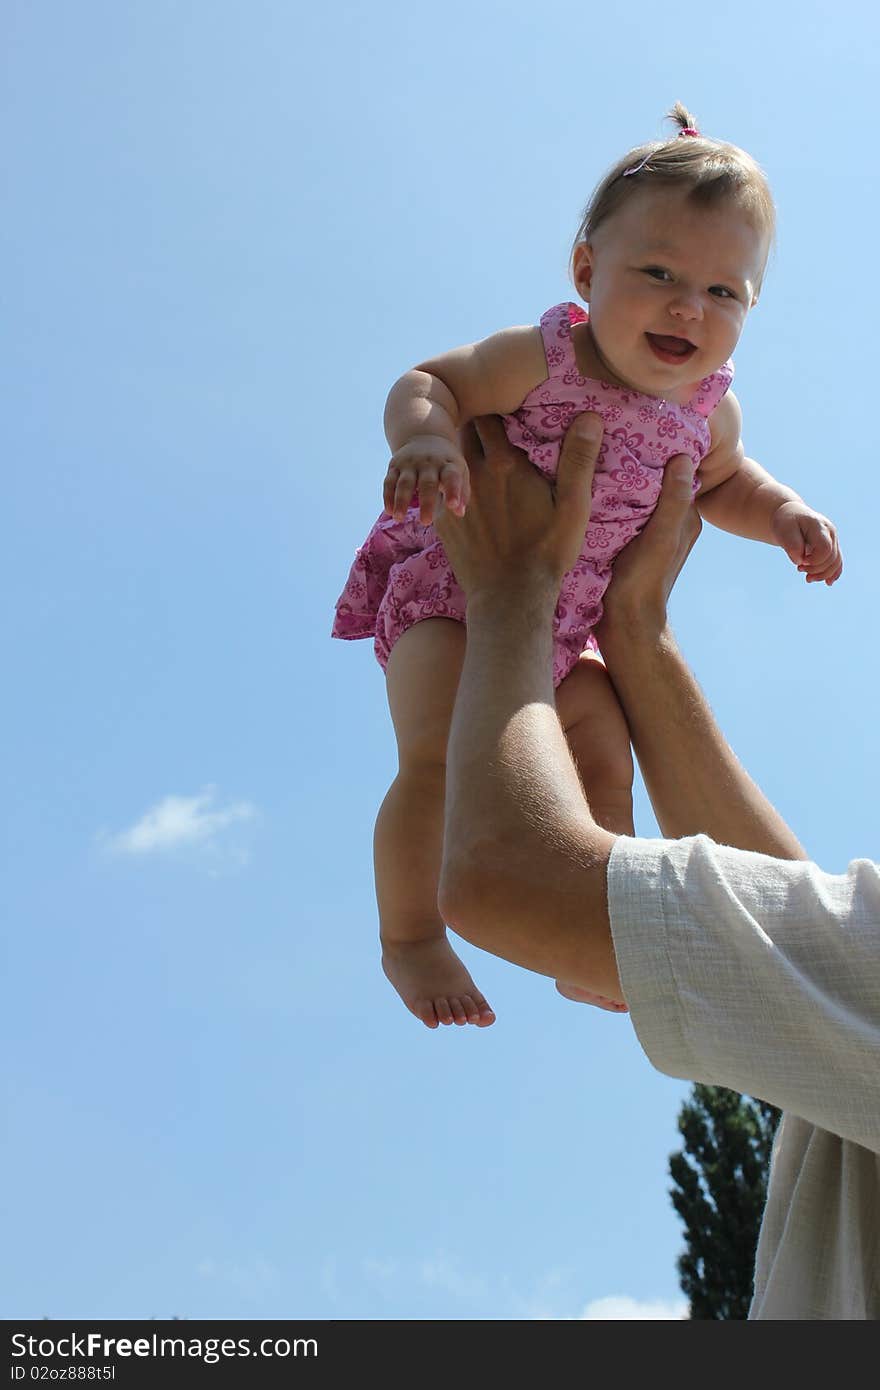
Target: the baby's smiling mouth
pixel 669 348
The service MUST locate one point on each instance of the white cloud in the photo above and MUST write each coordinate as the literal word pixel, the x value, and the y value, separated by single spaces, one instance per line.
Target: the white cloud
pixel 253 1280
pixel 441 1273
pixel 434 1271
pixel 180 822
pixel 544 1303
pixel 551 1301
pixel 620 1308
pixel 380 1271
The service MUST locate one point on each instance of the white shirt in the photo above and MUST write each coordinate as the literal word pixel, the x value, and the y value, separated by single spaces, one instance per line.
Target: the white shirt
pixel 763 975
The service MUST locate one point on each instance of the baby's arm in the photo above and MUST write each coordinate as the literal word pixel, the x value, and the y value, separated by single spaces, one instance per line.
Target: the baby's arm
pixel 428 406
pixel 738 495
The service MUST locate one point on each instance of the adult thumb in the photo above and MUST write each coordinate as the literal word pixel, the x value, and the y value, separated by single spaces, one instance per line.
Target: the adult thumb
pixel 677 490
pixel 577 461
pixel 678 477
pixel 675 514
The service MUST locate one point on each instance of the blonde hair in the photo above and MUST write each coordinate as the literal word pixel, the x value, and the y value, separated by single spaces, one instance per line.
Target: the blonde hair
pixel 711 171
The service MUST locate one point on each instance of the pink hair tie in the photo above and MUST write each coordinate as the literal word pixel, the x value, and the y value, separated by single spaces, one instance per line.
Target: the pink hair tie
pixel 688 130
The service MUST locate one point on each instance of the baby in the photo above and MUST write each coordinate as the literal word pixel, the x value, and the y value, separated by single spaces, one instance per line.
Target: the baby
pixel 669 256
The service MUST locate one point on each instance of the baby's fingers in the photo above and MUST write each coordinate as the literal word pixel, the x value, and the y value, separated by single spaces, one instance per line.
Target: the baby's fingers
pixel 389 487
pixel 818 543
pixel 825 574
pixel 821 560
pixel 792 542
pixel 428 486
pixel 403 492
pixel 455 484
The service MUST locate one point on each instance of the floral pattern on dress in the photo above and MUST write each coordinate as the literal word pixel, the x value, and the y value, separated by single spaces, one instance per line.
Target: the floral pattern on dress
pixel 401 574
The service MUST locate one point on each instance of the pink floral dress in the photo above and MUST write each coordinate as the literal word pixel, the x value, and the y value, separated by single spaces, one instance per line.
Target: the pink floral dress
pixel 401 573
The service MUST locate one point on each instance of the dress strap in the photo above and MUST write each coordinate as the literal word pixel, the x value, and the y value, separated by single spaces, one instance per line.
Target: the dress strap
pixel 711 389
pixel 556 326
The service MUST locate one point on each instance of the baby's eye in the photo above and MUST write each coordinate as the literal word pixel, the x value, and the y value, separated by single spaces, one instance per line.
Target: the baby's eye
pixel 722 292
pixel 657 272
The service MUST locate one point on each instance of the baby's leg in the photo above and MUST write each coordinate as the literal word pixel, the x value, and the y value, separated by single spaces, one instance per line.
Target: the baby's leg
pixel 423 673
pixel 598 737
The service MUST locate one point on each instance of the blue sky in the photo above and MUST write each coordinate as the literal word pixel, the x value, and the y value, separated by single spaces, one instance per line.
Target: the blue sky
pixel 229 228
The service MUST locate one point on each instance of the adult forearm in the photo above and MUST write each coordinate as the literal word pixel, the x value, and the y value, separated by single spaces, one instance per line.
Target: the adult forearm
pixel 524 872
pixel 696 783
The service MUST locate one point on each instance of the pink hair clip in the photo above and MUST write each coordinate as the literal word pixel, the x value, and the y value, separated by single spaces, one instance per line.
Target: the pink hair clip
pixel 634 169
pixel 688 130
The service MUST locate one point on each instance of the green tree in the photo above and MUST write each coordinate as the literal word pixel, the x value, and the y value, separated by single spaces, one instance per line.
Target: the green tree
pixel 720 1188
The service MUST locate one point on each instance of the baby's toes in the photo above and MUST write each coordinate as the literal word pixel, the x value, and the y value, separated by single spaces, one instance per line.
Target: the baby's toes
pixel 444 1012
pixel 478 1011
pixel 426 1012
pixel 459 1010
pixel 471 1012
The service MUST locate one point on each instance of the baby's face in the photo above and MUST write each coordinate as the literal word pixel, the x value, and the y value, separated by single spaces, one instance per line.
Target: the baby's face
pixel 669 286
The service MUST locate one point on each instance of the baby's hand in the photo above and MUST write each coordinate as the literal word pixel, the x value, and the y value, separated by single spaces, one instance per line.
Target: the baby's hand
pixel 433 465
pixel 809 540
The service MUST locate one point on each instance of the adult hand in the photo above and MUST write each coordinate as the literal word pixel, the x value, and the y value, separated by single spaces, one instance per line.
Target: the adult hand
pixel 646 569
pixel 517 525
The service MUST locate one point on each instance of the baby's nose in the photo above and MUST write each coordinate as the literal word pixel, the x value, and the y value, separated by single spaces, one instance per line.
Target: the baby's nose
pixel 686 306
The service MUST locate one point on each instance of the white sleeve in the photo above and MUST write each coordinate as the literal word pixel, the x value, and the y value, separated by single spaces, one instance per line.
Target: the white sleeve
pixel 759 974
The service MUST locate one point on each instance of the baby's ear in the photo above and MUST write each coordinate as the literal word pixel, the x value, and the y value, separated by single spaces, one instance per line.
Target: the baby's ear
pixel 582 269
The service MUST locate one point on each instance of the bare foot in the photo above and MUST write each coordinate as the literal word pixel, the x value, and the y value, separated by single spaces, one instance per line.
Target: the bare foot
pixel 433 983
pixel 586 996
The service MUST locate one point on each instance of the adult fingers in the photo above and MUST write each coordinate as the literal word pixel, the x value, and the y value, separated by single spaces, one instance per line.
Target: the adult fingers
pixel 471 447
pixel 492 437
